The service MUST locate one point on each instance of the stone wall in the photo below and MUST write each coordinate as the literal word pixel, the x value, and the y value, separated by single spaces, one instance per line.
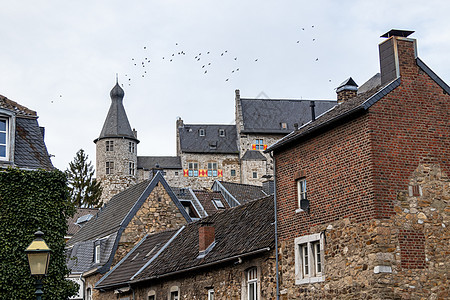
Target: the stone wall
pixel 227 280
pixel 225 162
pixel 248 167
pixel 157 213
pixel 119 178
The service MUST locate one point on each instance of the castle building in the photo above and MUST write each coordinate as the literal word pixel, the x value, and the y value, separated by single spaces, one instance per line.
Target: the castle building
pixel 116 149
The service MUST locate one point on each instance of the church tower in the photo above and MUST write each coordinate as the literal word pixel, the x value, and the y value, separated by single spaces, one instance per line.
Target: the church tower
pixel 116 149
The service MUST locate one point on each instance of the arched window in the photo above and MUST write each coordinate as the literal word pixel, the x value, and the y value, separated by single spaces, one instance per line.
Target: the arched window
pixel 151 295
pixel 174 293
pixel 252 283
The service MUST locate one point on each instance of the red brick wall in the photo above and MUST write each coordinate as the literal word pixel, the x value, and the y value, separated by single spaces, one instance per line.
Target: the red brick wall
pixel 408 126
pixel 337 168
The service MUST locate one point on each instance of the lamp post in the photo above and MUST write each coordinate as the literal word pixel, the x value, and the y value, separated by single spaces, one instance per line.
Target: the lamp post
pixel 38 258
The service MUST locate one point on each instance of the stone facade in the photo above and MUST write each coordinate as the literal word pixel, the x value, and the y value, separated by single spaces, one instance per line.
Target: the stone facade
pixel 157 213
pixel 229 281
pixel 123 155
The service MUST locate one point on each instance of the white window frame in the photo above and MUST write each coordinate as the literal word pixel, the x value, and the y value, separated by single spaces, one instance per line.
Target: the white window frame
pixel 252 280
pixel 221 132
pixel 309 259
pixel 212 169
pixel 109 167
pixel 97 254
pixel 259 144
pixel 131 168
pixel 301 192
pixel 7 139
pixel 211 294
pixel 201 132
pixel 193 169
pixel 131 147
pixel 109 146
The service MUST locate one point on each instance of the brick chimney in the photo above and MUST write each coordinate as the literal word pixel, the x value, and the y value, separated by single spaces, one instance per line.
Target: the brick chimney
pixel 346 90
pixel 397 54
pixel 206 236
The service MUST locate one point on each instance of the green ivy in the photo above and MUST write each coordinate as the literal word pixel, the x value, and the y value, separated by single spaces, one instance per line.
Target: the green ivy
pixel 30 200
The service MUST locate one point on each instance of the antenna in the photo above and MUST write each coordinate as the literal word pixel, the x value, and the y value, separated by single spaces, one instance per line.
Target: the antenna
pixel 117 78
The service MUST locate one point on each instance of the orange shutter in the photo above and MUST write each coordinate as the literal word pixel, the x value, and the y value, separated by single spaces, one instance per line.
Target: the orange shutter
pixel 219 173
pixel 186 173
pixel 253 147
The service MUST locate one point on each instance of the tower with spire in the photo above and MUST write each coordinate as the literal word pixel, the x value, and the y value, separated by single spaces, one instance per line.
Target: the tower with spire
pixel 116 149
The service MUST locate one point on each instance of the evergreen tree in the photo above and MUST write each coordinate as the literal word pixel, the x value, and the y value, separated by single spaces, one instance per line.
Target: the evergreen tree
pixel 85 191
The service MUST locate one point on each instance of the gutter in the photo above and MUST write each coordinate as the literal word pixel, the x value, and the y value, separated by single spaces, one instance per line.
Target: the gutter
pixel 204 265
pixel 276 225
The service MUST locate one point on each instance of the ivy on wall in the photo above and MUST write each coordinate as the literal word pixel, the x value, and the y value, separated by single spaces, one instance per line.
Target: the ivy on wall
pixel 30 200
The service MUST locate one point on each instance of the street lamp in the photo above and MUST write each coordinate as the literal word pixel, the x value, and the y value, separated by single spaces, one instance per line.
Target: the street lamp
pixel 38 258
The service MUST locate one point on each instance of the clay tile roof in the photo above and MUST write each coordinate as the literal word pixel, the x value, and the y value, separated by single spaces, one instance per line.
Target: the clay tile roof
pixel 267 115
pixel 191 141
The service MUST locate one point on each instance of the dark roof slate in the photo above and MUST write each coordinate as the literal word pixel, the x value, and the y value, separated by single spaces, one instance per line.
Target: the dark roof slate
pixel 116 123
pixel 267 115
pixel 253 155
pixel 73 227
pixel 243 230
pixel 164 162
pixel 211 142
pixel 243 192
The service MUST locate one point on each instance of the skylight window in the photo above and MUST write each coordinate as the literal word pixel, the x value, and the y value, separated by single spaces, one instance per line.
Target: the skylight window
pixel 218 204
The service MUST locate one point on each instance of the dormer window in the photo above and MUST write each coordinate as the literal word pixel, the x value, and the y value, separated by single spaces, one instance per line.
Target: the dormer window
pixel 213 145
pixel 4 139
pixel 97 254
pixel 283 125
pixel 201 132
pixel 218 204
pixel 221 132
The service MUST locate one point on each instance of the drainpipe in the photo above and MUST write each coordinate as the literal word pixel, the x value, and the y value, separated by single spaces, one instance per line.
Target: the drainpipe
pixel 276 223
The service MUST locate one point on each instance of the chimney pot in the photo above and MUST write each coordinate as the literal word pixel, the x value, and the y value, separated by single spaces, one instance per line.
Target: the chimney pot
pixel 346 90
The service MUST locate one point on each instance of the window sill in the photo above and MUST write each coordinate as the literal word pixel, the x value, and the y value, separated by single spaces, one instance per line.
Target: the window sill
pixel 310 280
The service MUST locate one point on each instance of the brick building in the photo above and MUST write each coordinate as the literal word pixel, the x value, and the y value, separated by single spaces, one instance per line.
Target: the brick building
pixel 363 190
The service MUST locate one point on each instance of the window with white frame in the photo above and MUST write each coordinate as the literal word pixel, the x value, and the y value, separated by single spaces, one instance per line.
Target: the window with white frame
pixel 109 145
pixel 131 168
pixel 309 259
pixel 174 293
pixel 211 294
pixel 193 169
pixel 89 294
pixel 131 147
pixel 252 283
pixel 301 194
pixel 109 167
pixel 212 169
pixel 259 144
pixel 97 254
pixel 201 132
pixel 4 139
pixel 222 132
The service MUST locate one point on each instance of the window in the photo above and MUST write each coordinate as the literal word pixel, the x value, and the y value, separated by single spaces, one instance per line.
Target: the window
pixel 259 144
pixel 201 132
pixel 255 174
pixel 302 198
pixel 109 167
pixel 176 173
pixel 283 125
pixel 309 260
pixel 252 283
pixel 97 254
pixel 174 293
pixel 4 139
pixel 233 172
pixel 193 169
pixel 212 169
pixel 131 147
pixel 218 204
pixel 109 145
pixel 210 294
pixel 89 294
pixel 151 295
pixel 131 168
pixel 222 132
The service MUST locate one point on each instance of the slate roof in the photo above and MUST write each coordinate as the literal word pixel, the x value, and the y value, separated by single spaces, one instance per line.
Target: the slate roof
pixel 240 231
pixel 116 124
pixel 211 142
pixel 253 155
pixel 72 222
pixel 243 193
pixel 30 151
pixel 113 218
pixel 206 197
pixel 267 115
pixel 164 162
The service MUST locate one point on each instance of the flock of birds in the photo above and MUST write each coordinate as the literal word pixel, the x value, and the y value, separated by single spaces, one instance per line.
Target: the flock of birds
pixel 205 61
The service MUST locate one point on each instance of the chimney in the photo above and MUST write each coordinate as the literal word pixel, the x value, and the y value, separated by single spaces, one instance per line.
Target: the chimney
pixel 397 52
pixel 205 236
pixel 346 90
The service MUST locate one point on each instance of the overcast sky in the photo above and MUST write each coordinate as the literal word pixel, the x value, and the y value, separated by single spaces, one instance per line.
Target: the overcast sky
pixel 61 57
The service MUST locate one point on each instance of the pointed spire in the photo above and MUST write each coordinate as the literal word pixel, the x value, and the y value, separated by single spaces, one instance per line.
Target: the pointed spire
pixel 116 124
